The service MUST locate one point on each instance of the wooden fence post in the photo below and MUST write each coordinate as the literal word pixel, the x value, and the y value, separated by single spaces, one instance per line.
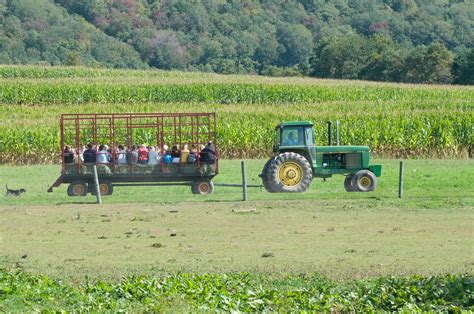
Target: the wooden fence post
pixel 244 182
pixel 400 181
pixel 96 186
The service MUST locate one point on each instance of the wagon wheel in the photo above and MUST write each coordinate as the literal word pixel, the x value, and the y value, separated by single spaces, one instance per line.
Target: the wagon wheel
pixel 288 172
pixel 77 188
pixel 364 181
pixel 105 188
pixel 203 187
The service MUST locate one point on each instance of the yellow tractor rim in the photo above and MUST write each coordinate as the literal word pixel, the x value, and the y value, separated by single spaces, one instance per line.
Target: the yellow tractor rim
pixel 78 189
pixel 290 173
pixel 365 182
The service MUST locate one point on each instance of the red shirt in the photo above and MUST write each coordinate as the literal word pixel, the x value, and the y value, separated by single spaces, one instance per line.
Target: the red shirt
pixel 142 153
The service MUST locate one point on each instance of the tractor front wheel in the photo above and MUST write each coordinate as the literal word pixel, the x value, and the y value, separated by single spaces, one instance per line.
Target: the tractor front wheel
pixel 287 172
pixel 364 181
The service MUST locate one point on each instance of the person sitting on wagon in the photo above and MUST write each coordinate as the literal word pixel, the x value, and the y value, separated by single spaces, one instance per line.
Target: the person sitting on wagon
pixel 68 155
pixel 193 154
pixel 207 157
pixel 152 156
pixel 103 158
pixel 133 155
pixel 103 155
pixel 68 158
pixel 167 158
pixel 175 153
pixel 80 156
pixel 121 155
pixel 89 154
pixel 208 154
pixel 142 155
pixel 161 153
pixel 121 159
pixel 184 153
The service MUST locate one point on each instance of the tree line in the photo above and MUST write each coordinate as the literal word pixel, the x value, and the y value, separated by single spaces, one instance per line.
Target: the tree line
pixel 418 41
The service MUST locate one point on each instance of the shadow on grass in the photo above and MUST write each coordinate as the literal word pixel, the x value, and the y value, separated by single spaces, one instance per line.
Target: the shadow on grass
pixel 433 197
pixel 222 201
pixel 76 203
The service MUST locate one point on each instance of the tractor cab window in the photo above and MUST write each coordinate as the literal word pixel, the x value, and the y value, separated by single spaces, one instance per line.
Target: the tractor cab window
pixel 292 136
pixel 309 136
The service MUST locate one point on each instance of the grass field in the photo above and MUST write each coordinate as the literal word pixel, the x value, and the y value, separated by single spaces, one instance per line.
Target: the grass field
pixel 326 230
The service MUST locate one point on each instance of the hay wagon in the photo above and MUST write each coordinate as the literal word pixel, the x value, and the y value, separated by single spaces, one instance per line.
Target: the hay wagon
pixel 112 143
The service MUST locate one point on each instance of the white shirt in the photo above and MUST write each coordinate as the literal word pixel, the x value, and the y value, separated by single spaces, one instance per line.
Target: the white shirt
pixel 121 157
pixel 152 157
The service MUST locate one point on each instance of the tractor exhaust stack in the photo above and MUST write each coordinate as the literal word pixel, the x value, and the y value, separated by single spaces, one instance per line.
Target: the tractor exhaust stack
pixel 329 133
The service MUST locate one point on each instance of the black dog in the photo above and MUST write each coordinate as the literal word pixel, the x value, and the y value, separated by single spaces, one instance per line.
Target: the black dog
pixel 11 192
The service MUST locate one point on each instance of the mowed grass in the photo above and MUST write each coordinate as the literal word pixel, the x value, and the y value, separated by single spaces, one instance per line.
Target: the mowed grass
pixel 326 230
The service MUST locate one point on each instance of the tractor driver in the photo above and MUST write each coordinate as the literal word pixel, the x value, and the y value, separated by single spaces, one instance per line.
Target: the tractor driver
pixel 291 139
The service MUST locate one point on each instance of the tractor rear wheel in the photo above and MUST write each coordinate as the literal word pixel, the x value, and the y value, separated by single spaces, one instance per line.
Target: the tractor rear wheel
pixel 264 176
pixel 364 181
pixel 348 181
pixel 77 188
pixel 288 172
pixel 202 187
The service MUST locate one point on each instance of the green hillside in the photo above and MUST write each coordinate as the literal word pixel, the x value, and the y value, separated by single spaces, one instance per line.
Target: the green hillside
pixel 41 32
pixel 413 41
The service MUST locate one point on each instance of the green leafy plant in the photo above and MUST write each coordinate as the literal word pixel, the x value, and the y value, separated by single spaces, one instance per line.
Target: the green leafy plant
pixel 238 291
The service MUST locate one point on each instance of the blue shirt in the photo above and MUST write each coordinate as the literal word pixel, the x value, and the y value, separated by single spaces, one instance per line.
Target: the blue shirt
pixel 168 158
pixel 89 155
pixel 103 157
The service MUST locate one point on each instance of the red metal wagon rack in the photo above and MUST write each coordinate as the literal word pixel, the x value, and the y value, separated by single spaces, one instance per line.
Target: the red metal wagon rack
pixel 181 146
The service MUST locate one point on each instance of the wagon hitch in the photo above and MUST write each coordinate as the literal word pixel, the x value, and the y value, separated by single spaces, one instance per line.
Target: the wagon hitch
pixel 55 184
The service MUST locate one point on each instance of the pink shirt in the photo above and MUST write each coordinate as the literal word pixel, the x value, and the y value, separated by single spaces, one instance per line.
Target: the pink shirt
pixel 142 153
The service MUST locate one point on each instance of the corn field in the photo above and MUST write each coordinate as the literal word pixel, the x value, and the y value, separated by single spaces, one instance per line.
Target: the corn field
pixel 394 120
pixel 57 92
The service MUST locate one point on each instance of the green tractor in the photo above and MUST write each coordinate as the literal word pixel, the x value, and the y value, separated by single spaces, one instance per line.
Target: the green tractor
pixel 298 160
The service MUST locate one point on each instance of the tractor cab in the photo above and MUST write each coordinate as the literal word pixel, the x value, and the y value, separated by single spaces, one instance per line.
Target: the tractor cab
pixel 295 134
pixel 296 137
